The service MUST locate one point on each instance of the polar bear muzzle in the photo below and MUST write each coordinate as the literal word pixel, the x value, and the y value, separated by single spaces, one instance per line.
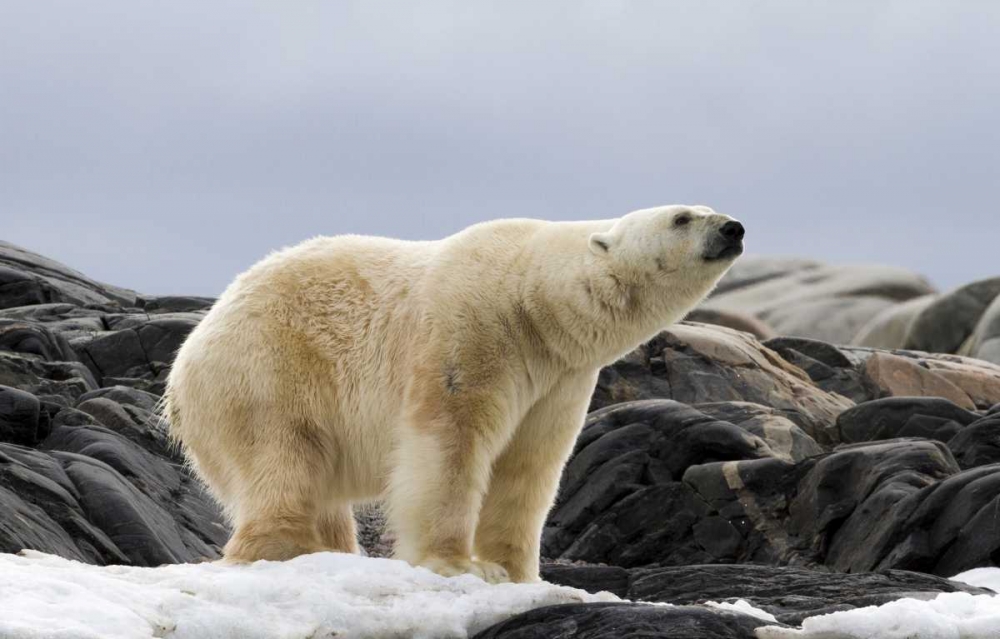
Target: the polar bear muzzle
pixel 727 244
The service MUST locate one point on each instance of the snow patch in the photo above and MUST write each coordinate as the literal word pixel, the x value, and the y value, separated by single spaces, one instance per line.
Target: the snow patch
pixel 743 606
pixel 314 596
pixel 951 615
pixel 982 577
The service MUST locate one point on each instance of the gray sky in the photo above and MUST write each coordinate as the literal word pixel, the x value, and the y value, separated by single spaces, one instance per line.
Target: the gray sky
pixel 167 146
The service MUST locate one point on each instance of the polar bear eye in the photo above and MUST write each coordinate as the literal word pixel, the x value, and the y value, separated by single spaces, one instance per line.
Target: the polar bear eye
pixel 682 220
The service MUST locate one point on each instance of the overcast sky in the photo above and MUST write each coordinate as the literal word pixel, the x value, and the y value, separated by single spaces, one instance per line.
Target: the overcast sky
pixel 166 146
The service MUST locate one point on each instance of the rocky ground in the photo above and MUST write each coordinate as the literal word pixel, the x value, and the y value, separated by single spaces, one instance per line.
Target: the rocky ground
pixel 854 459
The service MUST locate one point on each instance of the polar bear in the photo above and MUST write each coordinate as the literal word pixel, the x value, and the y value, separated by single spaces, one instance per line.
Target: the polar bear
pixel 448 378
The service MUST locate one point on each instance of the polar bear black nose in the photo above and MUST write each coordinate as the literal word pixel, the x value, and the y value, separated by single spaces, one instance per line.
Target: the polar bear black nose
pixel 732 230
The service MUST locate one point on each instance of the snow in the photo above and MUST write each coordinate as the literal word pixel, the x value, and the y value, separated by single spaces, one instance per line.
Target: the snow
pixel 339 595
pixel 982 577
pixel 743 606
pixel 314 596
pixel 953 615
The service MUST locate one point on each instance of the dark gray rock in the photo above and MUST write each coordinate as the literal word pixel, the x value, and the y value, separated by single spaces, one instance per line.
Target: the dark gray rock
pixel 613 620
pixel 790 594
pixel 143 349
pixel 45 512
pixel 940 529
pixel 66 379
pixel 114 353
pixel 161 338
pixel 175 303
pixel 860 508
pixel 978 444
pixel 20 417
pixel 28 278
pixel 783 436
pixel 889 418
pixel 621 500
pixel 35 339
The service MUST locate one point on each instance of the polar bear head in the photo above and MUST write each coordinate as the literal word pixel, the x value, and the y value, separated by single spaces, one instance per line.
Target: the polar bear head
pixel 689 244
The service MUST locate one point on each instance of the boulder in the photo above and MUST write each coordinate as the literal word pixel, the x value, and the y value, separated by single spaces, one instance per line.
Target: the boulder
pixel 755 269
pixel 978 444
pixel 34 339
pixel 21 418
pixel 836 320
pixel 927 417
pixel 898 376
pixel 945 324
pixel 984 343
pixel 621 500
pixel 889 328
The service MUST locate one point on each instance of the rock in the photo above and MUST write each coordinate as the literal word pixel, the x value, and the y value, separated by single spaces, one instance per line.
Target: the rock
pixel 835 320
pixel 621 500
pixel 66 379
pixel 34 339
pixel 984 343
pixel 832 369
pixel 750 270
pixel 978 379
pixel 146 504
pixel 852 502
pixel 174 303
pixel 835 510
pixel 785 439
pixel 946 323
pixel 28 278
pixel 764 587
pixel 613 620
pixel 161 338
pixel 941 528
pixel 796 297
pixel 19 417
pixel 898 376
pixel 696 364
pixel 143 350
pixel 47 515
pixel 978 444
pixel 927 417
pixel 889 328
pixel 735 321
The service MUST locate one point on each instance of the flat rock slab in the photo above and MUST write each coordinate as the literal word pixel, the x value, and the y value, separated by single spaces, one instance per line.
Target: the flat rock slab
pixel 789 594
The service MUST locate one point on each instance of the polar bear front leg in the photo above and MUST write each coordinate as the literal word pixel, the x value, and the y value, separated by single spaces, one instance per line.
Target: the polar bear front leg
pixel 440 475
pixel 526 477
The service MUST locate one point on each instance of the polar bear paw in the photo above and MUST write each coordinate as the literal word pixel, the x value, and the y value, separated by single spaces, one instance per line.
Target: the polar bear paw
pixel 486 570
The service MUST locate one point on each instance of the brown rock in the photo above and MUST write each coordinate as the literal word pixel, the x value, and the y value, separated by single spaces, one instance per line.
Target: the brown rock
pixel 901 377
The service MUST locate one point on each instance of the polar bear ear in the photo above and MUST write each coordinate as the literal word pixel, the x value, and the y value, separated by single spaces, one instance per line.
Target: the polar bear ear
pixel 600 243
